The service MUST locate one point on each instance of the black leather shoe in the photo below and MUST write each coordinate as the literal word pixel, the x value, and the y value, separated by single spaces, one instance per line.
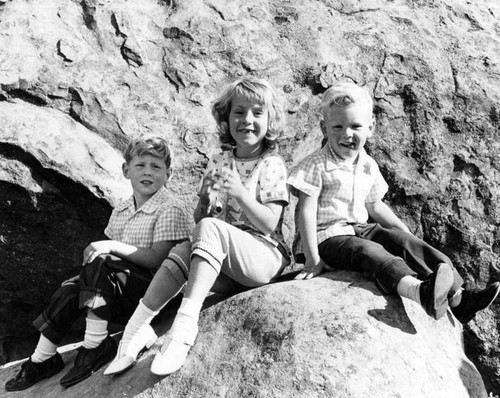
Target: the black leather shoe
pixel 32 372
pixel 475 300
pixel 434 291
pixel 88 361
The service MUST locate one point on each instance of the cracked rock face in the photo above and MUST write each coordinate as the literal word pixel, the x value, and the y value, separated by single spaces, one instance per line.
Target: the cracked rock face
pixel 78 79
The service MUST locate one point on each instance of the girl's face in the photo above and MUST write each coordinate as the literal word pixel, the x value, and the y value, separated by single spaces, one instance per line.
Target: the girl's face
pixel 248 121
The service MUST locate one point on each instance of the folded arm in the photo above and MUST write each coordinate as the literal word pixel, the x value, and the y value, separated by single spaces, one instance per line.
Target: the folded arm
pixel 146 257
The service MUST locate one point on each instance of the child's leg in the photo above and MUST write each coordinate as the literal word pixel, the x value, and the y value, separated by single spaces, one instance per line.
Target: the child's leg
pixel 166 284
pixel 55 320
pixel 419 255
pixel 389 271
pixel 361 255
pixel 109 287
pixel 424 259
pixel 217 247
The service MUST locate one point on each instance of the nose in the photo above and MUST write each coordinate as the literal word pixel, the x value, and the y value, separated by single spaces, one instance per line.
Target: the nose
pixel 348 133
pixel 248 117
pixel 147 170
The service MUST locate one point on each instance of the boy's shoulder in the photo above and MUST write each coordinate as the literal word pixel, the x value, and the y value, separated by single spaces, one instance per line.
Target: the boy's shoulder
pixel 160 200
pixel 319 156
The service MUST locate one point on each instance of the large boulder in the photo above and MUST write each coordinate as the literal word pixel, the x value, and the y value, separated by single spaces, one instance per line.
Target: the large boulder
pixel 76 72
pixel 333 336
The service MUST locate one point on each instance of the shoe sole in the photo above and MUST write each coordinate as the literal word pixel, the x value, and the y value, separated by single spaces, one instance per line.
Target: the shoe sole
pixel 442 285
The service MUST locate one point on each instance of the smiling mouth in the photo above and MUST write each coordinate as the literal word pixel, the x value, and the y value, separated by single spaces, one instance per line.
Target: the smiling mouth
pixel 245 131
pixel 349 145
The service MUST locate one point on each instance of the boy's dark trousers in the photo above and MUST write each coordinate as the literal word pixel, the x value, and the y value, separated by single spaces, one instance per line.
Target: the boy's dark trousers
pixel 385 254
pixel 110 286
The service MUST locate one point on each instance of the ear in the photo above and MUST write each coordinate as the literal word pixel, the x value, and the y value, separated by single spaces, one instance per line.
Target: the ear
pixel 371 128
pixel 125 170
pixel 169 174
pixel 323 127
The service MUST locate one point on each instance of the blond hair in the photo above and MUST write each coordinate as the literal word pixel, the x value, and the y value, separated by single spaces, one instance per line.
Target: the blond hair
pixel 344 94
pixel 255 89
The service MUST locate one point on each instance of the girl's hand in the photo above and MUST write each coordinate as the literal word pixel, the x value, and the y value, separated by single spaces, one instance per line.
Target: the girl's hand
pixel 231 181
pixel 95 249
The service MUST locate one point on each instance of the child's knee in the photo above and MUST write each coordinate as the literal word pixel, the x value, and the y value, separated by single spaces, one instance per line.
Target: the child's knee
pixel 208 226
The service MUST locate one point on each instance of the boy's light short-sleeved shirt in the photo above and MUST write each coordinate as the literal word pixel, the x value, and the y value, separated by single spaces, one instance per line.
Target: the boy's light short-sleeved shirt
pixel 342 190
pixel 157 220
pixel 264 177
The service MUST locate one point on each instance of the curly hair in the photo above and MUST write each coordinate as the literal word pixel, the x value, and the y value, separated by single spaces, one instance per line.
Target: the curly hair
pixel 148 145
pixel 255 89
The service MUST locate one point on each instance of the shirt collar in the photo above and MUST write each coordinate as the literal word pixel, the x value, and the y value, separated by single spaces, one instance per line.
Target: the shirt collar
pixel 334 162
pixel 150 206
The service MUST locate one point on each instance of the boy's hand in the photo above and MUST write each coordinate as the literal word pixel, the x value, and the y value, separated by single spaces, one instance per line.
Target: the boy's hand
pixel 95 249
pixel 71 280
pixel 311 270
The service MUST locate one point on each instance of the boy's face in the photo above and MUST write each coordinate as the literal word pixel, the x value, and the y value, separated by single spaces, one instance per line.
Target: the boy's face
pixel 347 129
pixel 147 174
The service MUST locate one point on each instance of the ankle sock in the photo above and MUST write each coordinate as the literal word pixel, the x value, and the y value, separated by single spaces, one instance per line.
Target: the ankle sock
pixel 409 287
pixel 44 350
pixel 95 332
pixel 190 308
pixel 187 316
pixel 141 316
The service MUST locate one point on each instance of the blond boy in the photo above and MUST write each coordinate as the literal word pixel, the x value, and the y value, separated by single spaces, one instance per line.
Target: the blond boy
pixel 340 188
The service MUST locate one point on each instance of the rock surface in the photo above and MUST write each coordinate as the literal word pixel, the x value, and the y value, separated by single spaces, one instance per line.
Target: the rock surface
pixel 333 336
pixel 78 79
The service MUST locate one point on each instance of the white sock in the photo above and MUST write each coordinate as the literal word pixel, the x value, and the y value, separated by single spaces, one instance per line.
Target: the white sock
pixel 95 332
pixel 190 308
pixel 409 287
pixel 44 350
pixel 457 298
pixel 141 316
pixel 187 315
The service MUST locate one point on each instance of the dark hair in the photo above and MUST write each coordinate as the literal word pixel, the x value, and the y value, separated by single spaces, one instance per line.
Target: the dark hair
pixel 148 145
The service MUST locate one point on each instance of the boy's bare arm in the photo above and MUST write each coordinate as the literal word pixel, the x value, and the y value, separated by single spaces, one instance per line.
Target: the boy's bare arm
pixel 147 257
pixel 307 220
pixel 382 214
